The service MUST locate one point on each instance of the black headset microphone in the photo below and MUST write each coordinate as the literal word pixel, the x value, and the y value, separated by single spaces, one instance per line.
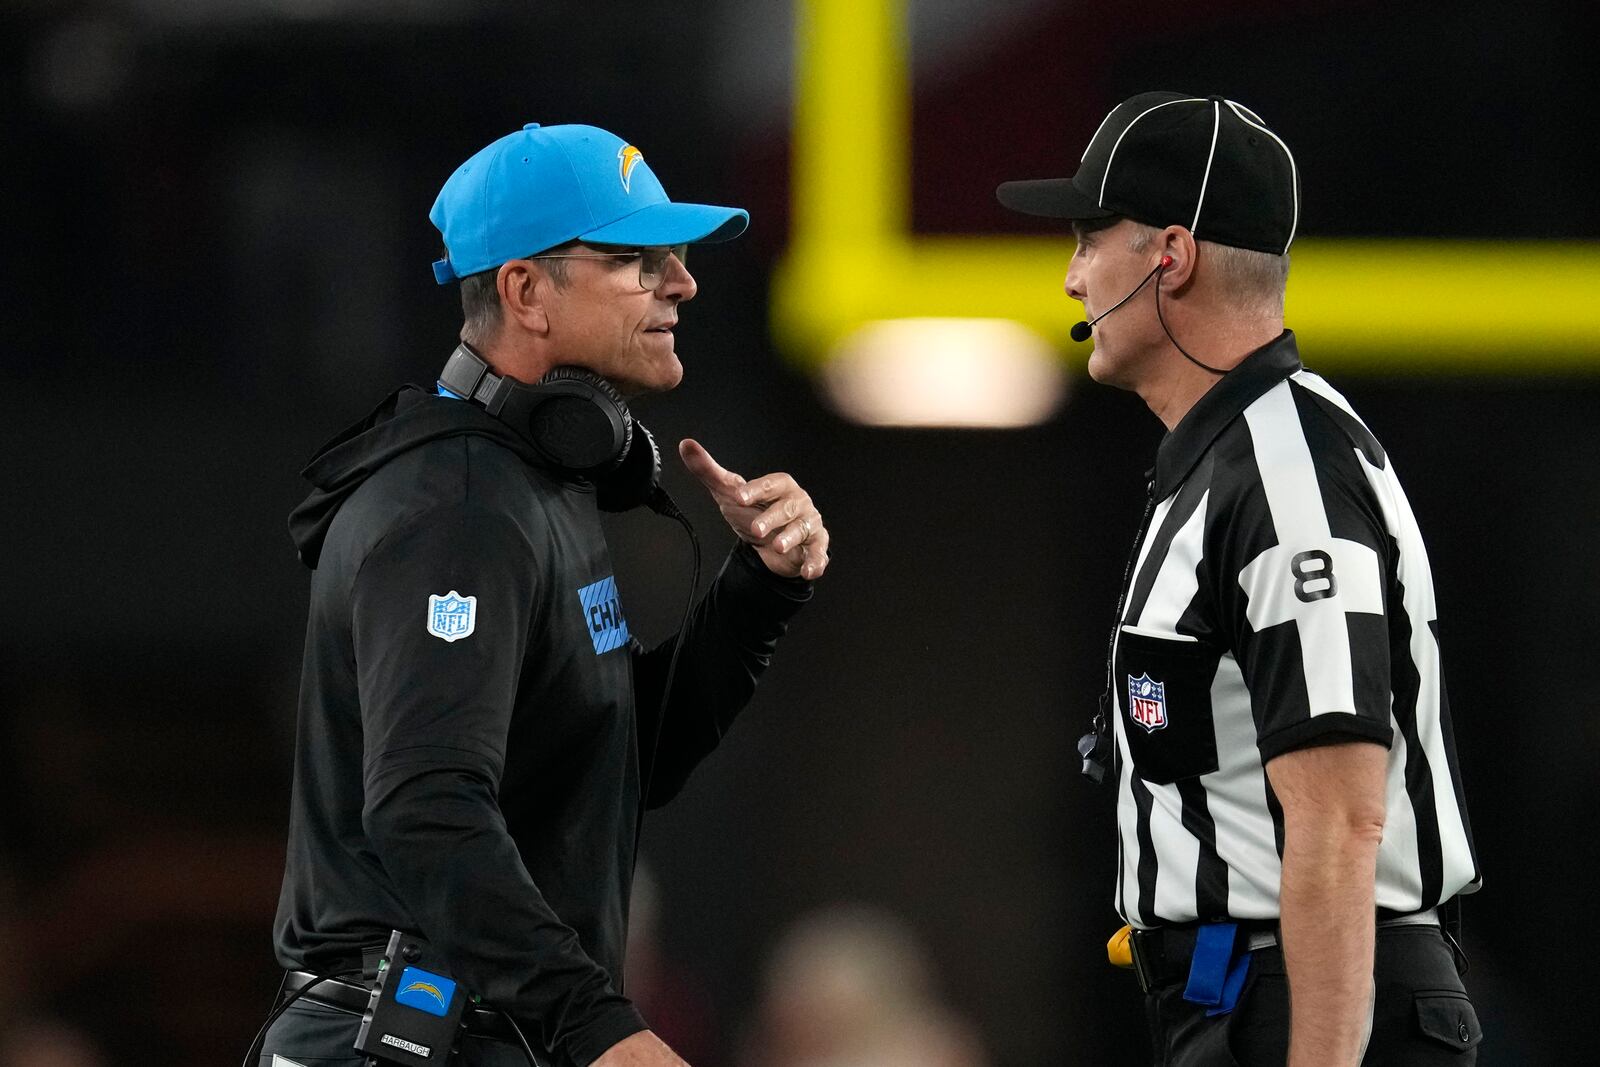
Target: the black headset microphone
pixel 1082 331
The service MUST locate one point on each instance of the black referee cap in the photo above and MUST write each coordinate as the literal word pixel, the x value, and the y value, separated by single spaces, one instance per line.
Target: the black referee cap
pixel 1166 159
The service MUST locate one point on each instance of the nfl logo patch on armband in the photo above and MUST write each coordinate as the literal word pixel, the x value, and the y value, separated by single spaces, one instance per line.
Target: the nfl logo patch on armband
pixel 452 616
pixel 1147 702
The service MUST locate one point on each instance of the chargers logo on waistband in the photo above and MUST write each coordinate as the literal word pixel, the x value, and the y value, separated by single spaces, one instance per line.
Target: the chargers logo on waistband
pixel 427 992
pixel 1147 702
pixel 628 157
pixel 452 616
pixel 602 614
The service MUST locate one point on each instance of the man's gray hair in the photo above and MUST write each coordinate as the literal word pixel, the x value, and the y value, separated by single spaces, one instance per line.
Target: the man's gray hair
pixel 1252 282
pixel 480 306
pixel 480 300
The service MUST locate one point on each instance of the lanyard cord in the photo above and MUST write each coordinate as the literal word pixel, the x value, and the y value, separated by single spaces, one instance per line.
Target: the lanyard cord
pixel 1095 746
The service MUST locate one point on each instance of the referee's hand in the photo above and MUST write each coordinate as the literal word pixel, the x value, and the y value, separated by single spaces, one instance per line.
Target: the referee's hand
pixel 643 1049
pixel 771 512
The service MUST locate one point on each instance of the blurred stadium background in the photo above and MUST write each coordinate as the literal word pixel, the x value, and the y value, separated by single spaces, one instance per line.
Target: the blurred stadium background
pixel 216 253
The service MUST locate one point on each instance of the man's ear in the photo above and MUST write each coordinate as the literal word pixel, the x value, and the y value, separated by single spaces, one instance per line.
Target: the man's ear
pixel 525 290
pixel 1179 243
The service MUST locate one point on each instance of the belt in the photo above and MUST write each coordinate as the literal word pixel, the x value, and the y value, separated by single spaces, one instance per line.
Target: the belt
pixel 1163 955
pixel 354 996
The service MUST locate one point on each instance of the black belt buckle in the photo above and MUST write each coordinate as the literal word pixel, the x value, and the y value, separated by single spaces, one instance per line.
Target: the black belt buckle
pixel 1145 947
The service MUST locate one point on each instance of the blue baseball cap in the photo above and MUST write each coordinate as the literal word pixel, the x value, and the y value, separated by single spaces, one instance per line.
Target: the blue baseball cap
pixel 546 185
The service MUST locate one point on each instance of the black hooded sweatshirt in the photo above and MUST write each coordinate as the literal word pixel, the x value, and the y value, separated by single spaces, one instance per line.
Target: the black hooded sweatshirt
pixel 468 753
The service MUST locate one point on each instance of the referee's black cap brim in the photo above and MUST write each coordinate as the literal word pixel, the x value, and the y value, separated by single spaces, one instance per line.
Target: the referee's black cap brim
pixel 1051 198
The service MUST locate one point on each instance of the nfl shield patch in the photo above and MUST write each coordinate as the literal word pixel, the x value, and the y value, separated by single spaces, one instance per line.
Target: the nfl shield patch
pixel 452 616
pixel 1147 702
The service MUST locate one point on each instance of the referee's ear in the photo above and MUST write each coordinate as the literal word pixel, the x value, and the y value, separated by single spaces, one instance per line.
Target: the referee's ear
pixel 1179 243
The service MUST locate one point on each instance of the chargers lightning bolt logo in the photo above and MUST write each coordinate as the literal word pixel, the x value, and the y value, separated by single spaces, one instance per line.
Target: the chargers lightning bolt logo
pixel 628 157
pixel 427 992
pixel 427 988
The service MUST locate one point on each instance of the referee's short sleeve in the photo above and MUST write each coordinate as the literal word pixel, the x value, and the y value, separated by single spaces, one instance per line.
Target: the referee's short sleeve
pixel 439 626
pixel 1306 558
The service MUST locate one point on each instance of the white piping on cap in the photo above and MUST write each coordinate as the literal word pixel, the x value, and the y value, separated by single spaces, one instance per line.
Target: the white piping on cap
pixel 1097 130
pixel 1294 171
pixel 1186 100
pixel 1240 108
pixel 1216 124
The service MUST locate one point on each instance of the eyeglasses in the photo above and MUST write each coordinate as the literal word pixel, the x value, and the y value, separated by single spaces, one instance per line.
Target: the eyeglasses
pixel 652 261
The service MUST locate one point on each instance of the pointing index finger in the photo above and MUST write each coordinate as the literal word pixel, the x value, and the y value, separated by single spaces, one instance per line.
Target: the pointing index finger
pixel 707 471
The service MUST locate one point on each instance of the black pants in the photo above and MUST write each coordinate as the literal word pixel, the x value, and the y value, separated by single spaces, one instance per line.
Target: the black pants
pixel 317 1035
pixel 1421 1015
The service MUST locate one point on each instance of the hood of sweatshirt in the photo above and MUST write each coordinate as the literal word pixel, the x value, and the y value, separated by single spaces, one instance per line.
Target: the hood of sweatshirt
pixel 409 417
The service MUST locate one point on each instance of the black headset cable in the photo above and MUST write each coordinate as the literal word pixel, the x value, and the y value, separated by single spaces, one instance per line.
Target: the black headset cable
pixel 1218 371
pixel 661 502
pixel 261 1034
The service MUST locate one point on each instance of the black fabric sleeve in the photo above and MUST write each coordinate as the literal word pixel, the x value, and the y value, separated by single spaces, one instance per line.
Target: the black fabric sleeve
pixel 727 644
pixel 435 715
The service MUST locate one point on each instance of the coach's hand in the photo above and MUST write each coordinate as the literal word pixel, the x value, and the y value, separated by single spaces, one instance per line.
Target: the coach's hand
pixel 772 513
pixel 643 1049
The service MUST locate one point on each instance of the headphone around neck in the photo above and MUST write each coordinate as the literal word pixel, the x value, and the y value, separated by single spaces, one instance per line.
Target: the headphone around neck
pixel 580 426
pixel 576 422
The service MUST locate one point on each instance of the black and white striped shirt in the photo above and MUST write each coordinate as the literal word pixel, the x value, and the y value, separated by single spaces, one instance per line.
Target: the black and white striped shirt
pixel 1280 598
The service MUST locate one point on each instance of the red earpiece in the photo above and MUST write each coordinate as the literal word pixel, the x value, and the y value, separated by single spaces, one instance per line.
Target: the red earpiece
pixel 1166 261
